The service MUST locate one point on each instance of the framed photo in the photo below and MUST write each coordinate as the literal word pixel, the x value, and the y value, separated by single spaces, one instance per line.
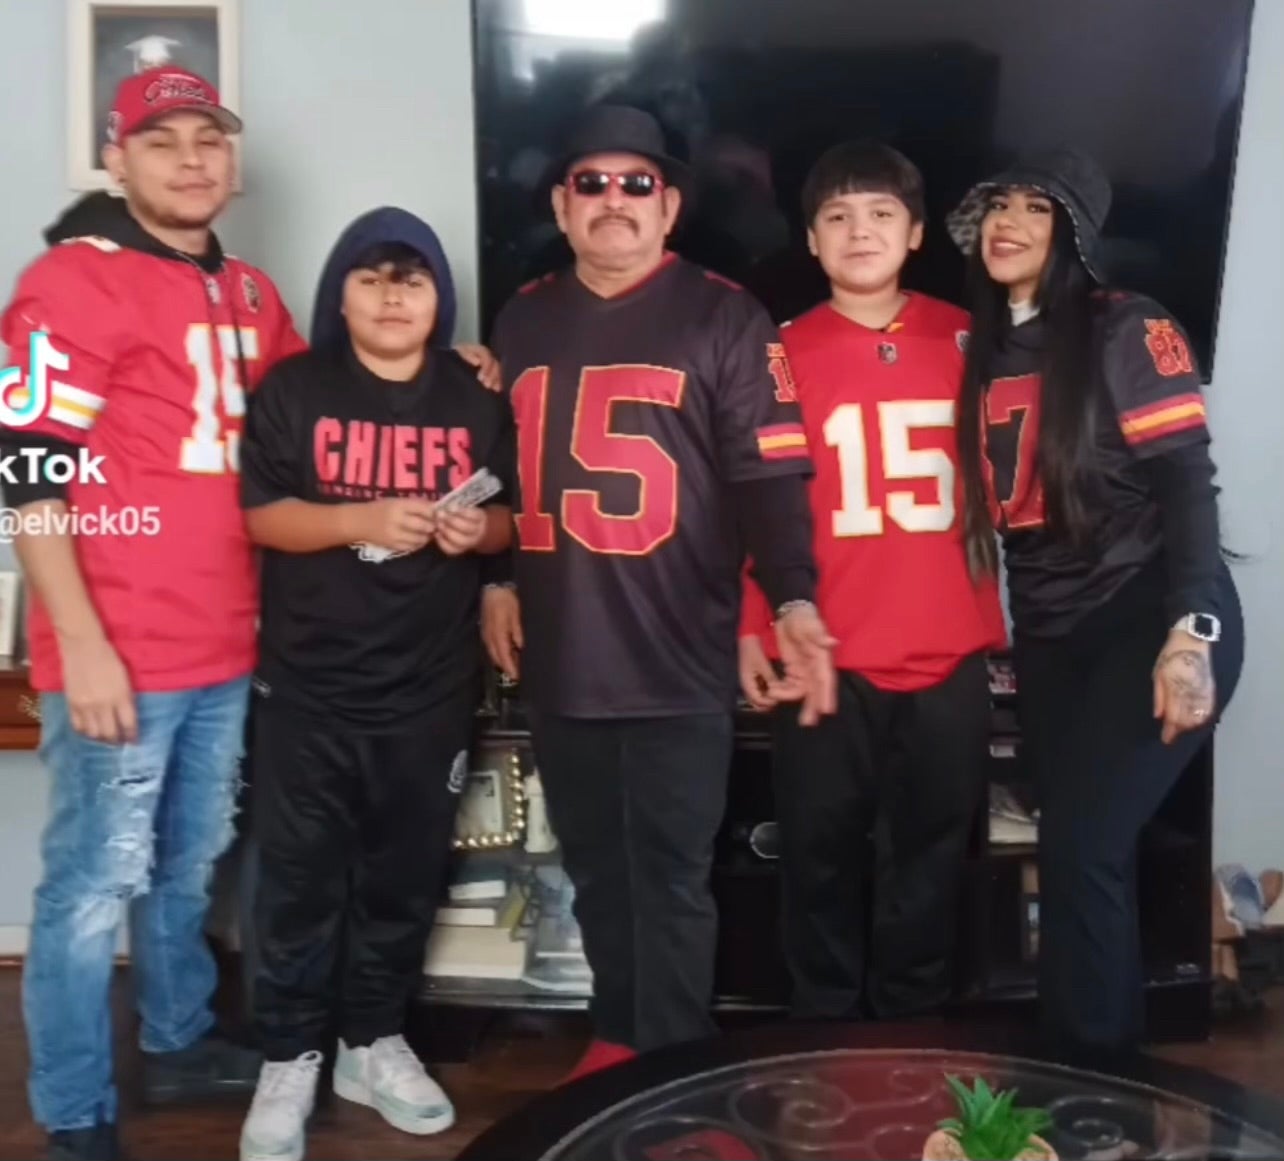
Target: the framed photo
pixel 107 41
pixel 492 810
pixel 10 591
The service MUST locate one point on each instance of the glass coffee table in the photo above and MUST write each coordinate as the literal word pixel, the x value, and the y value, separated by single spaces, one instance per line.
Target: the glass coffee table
pixel 876 1092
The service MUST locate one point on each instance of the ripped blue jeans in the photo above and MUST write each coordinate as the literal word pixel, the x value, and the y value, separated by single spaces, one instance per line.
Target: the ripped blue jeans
pixel 132 829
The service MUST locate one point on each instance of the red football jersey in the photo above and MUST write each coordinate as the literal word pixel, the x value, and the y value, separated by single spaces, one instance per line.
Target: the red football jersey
pixel 159 356
pixel 879 410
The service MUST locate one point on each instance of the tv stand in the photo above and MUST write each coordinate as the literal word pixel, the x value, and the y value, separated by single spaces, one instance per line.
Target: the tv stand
pixel 998 916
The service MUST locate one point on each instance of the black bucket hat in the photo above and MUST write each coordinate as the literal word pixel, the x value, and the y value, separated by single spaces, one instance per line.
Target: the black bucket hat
pixel 1069 177
pixel 619 129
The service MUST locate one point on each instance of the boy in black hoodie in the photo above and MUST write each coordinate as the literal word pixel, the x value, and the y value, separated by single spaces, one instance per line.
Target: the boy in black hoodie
pixel 369 668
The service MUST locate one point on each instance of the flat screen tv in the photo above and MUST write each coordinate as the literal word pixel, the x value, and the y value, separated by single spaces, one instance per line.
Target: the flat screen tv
pixel 752 91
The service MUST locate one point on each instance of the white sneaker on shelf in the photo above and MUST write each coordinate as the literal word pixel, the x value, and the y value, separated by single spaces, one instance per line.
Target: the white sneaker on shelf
pixel 283 1102
pixel 389 1078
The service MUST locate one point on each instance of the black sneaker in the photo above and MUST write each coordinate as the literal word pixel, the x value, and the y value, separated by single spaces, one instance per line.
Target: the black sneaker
pixel 97 1144
pixel 213 1066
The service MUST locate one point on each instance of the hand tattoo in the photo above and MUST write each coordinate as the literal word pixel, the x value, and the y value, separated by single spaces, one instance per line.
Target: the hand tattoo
pixel 1189 678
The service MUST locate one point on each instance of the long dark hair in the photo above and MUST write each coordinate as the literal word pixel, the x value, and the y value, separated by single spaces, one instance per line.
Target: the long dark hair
pixel 1066 402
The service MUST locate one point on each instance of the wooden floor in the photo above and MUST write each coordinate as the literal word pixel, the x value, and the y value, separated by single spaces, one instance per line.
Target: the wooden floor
pixel 517 1059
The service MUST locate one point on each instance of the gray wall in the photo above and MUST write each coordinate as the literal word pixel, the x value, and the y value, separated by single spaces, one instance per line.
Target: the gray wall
pixel 351 105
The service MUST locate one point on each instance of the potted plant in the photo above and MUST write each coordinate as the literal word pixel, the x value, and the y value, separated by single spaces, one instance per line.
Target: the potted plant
pixel 989 1128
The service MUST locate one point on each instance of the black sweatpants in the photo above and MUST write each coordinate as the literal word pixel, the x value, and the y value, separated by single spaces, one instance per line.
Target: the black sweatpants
pixel 354 833
pixel 1086 704
pixel 907 771
pixel 636 805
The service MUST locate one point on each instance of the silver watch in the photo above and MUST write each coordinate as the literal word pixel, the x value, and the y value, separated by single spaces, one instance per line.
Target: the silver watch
pixel 1201 626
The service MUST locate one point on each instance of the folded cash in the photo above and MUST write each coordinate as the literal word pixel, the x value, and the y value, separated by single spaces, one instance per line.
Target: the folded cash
pixel 477 489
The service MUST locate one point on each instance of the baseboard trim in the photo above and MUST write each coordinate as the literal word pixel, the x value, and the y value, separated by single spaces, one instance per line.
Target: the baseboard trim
pixel 14 940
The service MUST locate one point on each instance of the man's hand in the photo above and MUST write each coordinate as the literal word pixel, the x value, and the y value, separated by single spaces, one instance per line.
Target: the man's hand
pixel 501 621
pixel 459 530
pixel 762 688
pixel 806 648
pixel 97 689
pixel 488 373
pixel 1185 692
pixel 397 523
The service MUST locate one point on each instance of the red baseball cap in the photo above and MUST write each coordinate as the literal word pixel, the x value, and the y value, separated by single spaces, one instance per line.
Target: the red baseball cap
pixel 143 97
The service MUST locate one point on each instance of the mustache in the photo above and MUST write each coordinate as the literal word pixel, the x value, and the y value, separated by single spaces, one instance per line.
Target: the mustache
pixel 603 219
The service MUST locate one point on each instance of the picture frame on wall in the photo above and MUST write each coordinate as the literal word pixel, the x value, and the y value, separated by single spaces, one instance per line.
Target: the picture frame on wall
pixel 110 39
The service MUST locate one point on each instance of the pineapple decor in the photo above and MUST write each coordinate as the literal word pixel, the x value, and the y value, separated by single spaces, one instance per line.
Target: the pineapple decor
pixel 989 1128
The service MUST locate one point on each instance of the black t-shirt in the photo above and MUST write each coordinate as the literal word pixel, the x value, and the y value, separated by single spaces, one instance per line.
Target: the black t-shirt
pixel 355 632
pixel 1149 405
pixel 634 414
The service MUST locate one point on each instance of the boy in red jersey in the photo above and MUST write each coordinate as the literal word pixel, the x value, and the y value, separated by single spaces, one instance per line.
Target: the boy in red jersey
pixel 142 635
pixel 877 373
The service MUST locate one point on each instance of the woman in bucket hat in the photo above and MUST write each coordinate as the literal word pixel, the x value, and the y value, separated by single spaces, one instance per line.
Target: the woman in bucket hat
pixel 1084 443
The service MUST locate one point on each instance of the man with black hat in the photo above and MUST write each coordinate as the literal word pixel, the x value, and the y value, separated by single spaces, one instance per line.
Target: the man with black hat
pixel 659 439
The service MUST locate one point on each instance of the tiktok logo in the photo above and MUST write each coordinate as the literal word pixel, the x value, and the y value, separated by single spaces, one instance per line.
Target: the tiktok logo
pixel 32 396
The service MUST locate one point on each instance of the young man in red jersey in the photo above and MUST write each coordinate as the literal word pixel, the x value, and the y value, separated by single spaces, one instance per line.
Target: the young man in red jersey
pixel 877 373
pixel 142 623
pixel 142 636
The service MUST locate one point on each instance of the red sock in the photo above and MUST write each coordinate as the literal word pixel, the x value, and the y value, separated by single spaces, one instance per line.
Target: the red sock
pixel 601 1054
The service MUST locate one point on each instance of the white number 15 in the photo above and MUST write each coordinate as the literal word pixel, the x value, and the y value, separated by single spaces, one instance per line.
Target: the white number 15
pixel 845 432
pixel 210 450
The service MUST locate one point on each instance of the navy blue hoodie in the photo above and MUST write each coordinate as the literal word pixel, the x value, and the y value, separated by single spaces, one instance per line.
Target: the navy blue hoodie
pixel 379 227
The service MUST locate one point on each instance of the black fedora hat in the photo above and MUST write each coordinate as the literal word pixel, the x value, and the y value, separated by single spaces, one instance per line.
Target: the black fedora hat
pixel 619 129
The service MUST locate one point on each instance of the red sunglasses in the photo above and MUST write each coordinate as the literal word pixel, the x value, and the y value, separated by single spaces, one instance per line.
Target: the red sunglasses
pixel 593 183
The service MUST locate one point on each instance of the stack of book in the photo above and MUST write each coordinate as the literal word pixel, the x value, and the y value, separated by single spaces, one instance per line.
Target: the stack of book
pixel 479 933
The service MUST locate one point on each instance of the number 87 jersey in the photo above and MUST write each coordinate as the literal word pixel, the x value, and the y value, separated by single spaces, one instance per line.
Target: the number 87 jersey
pixel 640 417
pixel 150 359
pixel 879 407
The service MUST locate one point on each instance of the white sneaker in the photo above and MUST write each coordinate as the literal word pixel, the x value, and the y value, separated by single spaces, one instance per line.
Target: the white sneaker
pixel 389 1078
pixel 283 1101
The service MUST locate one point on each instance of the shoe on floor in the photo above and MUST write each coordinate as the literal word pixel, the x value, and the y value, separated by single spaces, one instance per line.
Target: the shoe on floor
pixel 1245 894
pixel 97 1144
pixel 601 1054
pixel 275 1127
pixel 388 1077
pixel 213 1066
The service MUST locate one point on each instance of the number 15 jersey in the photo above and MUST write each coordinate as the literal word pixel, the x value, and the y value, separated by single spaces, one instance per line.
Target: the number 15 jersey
pixel 159 355
pixel 880 411
pixel 637 416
